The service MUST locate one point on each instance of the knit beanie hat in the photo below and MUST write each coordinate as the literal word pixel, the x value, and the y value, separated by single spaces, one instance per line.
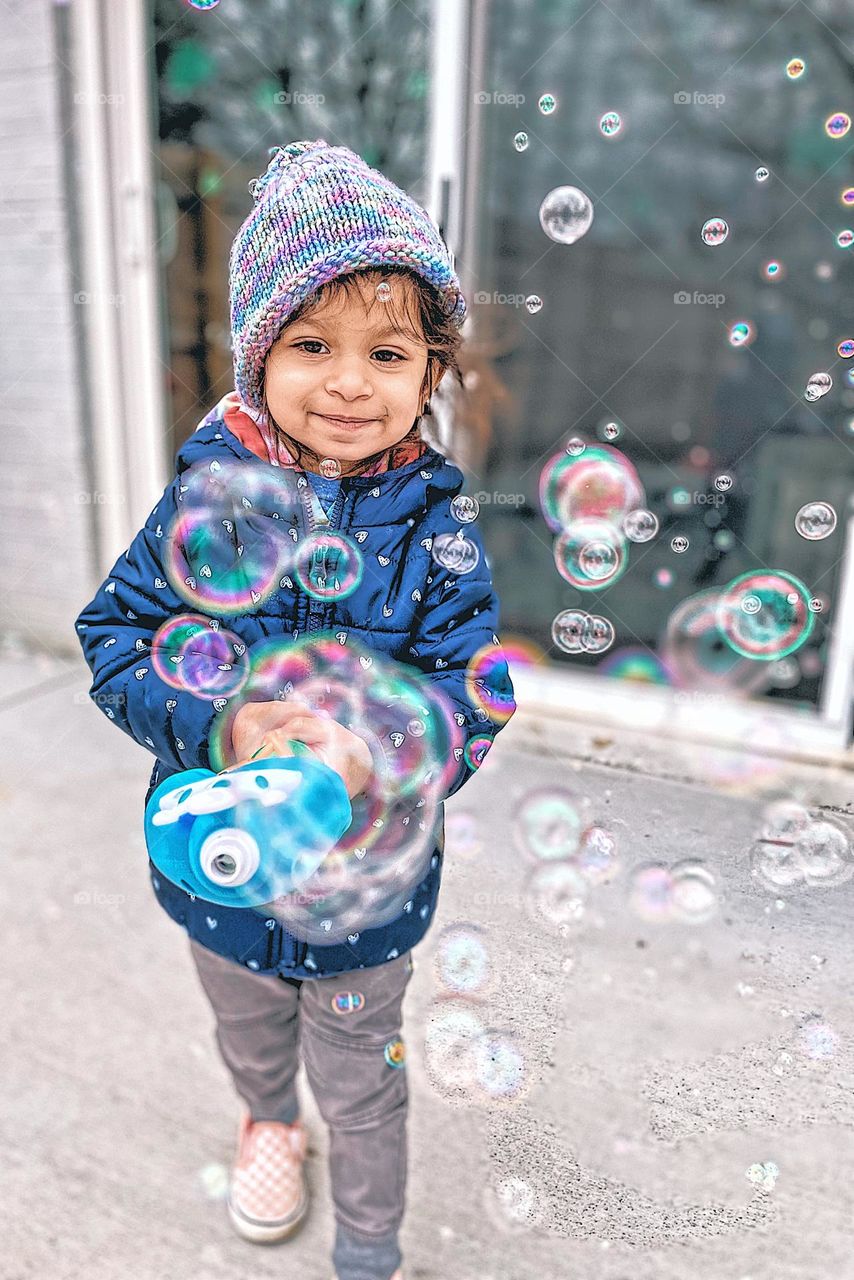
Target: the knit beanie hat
pixel 321 212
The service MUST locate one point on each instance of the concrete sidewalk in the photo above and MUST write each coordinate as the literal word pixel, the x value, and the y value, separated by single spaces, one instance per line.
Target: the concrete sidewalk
pixel 661 1060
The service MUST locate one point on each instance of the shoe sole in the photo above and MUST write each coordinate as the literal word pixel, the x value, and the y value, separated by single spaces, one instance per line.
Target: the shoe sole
pixel 267 1233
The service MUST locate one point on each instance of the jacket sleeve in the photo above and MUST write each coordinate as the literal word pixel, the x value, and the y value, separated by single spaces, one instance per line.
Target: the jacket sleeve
pixel 458 619
pixel 116 630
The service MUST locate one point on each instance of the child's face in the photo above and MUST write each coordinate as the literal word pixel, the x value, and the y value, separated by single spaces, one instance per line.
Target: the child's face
pixel 345 361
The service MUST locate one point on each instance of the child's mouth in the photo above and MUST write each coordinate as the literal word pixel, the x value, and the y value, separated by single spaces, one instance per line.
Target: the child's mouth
pixel 352 424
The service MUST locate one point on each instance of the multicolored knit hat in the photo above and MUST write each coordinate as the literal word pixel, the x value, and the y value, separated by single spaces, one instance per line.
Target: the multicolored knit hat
pixel 321 212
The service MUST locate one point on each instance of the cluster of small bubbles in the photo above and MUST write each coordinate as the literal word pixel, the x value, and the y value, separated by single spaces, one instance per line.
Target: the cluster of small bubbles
pixel 795 68
pixel 837 125
pixel 715 231
pixel 464 509
pixel 488 684
pixel 590 553
pixel 816 1038
pixel 455 552
pixel 780 625
pixel 640 525
pixel 763 1175
pixel 742 333
pixel 547 103
pixel 679 544
pixel 815 520
pixel 574 631
pixel 610 124
pixel 845 238
pixel 724 482
pixel 462 960
pixel 566 214
pixel 685 892
pixel 189 654
pixel 611 431
pixel 793 850
pixel 328 566
pixel 846 348
pixel 230 540
pixel 383 291
pixel 520 142
pixel 847 196
pixel 534 303
pixel 762 174
pixel 817 385
pixel 330 468
pixel 773 270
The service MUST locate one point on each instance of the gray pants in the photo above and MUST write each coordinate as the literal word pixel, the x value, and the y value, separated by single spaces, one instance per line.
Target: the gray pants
pixel 349 1047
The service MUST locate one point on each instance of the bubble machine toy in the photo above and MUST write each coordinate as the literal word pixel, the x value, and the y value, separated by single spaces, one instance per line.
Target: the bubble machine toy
pixel 242 837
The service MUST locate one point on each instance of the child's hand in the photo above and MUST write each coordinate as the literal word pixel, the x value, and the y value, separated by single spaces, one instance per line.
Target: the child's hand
pixel 270 725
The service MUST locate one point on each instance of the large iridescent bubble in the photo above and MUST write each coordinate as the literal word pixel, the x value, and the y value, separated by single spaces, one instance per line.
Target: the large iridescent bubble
pixel 372 874
pixel 599 482
pixel 699 655
pixel 234 535
pixel 765 614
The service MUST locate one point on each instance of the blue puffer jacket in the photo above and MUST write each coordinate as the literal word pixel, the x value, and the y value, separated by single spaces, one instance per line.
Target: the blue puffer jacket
pixel 407 607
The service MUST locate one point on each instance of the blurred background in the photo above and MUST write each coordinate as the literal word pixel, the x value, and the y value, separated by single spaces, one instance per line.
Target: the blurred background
pixel 126 177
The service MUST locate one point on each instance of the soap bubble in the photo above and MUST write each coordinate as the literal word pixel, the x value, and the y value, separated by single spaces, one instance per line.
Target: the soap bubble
pixel 762 174
pixel 534 303
pixel 464 508
pixel 233 536
pixel 383 291
pixel 837 125
pixel 555 894
pixel 818 385
pixel 330 468
pixel 590 553
pixel 566 214
pixel 610 124
pixel 548 825
pixel 679 544
pixel 462 960
pixel 328 566
pixel 640 525
pixel 698 655
pixel 455 553
pixel 600 482
pixel 520 142
pixel 547 104
pixel 845 238
pixel 846 348
pixel 741 333
pixel 599 634
pixel 715 231
pixel 815 520
pixel 190 655
pixel 568 630
pixel 795 68
pixel 781 624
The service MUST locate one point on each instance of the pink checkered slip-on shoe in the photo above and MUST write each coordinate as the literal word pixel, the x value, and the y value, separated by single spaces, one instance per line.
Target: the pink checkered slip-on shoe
pixel 267 1196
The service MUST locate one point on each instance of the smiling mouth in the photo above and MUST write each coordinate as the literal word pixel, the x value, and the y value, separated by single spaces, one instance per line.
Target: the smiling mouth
pixel 347 422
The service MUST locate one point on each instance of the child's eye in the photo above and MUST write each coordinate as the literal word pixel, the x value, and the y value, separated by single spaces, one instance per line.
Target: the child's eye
pixel 315 342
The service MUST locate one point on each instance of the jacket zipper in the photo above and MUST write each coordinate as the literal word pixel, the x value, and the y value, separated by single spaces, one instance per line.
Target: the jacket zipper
pixel 319 610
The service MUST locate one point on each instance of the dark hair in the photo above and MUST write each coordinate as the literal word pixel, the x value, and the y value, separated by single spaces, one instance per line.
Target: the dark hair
pixel 420 316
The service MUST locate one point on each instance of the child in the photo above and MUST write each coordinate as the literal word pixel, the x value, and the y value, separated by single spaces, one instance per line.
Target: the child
pixel 345 313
